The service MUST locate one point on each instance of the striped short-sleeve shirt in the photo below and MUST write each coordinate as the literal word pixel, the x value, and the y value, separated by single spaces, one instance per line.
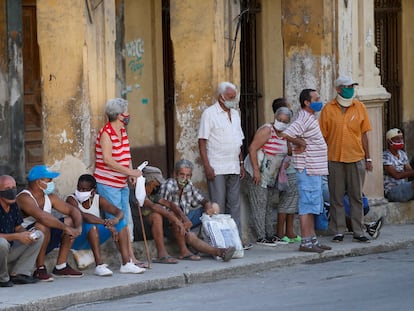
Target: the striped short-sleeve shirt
pixel 314 158
pixel 120 153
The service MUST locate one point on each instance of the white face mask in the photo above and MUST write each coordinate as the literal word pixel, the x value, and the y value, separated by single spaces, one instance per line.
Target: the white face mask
pixel 280 126
pixel 83 196
pixel 230 103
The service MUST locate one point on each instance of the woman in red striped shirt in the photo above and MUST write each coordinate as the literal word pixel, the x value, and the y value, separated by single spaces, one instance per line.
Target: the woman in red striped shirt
pixel 113 166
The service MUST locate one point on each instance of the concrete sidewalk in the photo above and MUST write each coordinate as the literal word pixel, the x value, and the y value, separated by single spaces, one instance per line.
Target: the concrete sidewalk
pixel 64 292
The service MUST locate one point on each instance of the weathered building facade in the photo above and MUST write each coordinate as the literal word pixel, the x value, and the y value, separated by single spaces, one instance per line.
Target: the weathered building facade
pixel 61 60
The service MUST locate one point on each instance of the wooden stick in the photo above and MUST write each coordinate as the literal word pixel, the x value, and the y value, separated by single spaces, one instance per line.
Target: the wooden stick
pixel 144 236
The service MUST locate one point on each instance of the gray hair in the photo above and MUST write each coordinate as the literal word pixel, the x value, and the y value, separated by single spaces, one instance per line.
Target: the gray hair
pixel 223 86
pixel 183 163
pixel 284 110
pixel 114 107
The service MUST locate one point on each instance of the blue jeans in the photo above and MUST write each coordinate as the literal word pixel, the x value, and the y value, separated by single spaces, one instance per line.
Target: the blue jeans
pixel 401 193
pixel 120 198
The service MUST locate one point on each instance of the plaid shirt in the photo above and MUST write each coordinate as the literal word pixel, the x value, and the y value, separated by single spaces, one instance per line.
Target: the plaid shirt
pixel 190 199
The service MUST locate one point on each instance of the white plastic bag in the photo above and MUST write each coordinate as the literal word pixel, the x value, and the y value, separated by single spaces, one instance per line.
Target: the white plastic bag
pixel 221 231
pixel 140 193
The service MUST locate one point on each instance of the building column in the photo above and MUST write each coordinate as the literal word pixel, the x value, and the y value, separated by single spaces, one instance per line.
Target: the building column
pixel 356 58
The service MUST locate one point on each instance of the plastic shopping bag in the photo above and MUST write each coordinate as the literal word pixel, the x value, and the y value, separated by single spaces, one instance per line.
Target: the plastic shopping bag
pixel 221 231
pixel 140 193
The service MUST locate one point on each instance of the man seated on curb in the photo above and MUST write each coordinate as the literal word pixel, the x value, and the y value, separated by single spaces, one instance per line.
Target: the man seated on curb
pixel 156 209
pixel 36 203
pixel 18 247
pixel 96 230
pixel 397 169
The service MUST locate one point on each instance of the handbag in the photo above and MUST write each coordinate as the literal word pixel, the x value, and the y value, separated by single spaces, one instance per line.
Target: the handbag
pixel 321 221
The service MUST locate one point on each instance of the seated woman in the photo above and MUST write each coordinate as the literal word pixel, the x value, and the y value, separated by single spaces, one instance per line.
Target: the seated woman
pixel 96 230
pixel 397 169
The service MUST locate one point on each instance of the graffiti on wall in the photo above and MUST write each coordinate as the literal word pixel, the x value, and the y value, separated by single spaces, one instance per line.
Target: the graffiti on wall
pixel 135 49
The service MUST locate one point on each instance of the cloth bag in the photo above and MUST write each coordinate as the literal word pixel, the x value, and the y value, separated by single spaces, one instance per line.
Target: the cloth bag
pixel 221 231
pixel 321 221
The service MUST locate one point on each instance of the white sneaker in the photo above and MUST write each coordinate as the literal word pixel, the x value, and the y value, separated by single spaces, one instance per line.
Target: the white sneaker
pixel 102 270
pixel 129 267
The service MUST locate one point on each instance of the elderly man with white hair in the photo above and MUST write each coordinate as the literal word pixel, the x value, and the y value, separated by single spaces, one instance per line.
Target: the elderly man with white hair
pixel 220 139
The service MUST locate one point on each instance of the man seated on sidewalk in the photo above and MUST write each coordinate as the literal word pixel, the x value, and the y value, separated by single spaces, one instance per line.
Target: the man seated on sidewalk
pixel 96 230
pixel 156 210
pixel 18 247
pixel 397 169
pixel 36 203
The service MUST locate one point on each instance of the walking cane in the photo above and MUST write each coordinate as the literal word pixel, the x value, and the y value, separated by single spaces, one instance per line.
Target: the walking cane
pixel 141 220
pixel 144 236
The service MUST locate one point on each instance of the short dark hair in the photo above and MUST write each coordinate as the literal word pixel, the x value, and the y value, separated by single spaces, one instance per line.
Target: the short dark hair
pixel 89 179
pixel 305 95
pixel 279 102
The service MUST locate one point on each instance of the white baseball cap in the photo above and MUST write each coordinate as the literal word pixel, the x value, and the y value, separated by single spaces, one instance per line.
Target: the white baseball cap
pixel 393 133
pixel 344 80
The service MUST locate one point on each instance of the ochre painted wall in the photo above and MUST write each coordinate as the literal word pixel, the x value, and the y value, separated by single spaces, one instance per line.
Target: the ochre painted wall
pixel 199 33
pixel 78 76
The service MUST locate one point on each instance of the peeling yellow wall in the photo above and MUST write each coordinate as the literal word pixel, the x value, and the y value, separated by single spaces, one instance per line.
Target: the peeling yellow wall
pixel 143 66
pixel 78 75
pixel 307 36
pixel 407 59
pixel 270 57
pixel 200 44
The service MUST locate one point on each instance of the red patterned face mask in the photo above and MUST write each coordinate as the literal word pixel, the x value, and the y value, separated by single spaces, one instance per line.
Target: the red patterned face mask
pixel 398 146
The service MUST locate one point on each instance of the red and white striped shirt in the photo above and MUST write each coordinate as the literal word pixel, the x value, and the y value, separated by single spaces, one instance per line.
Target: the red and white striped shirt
pixel 315 156
pixel 120 153
pixel 275 144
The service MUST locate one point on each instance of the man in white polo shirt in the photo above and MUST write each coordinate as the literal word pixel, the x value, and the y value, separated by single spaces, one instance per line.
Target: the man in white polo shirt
pixel 220 139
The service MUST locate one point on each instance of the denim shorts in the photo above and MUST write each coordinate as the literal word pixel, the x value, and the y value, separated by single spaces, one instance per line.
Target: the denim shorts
pixel 82 241
pixel 310 193
pixel 118 197
pixel 401 193
pixel 194 215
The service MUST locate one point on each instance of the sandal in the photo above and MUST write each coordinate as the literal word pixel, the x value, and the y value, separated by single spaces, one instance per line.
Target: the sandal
pixel 228 254
pixel 166 260
pixel 191 257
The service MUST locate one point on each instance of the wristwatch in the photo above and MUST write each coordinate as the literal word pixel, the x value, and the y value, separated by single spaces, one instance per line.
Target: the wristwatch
pixel 368 160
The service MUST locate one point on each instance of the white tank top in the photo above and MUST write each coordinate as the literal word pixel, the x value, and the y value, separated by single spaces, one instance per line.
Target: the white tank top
pixel 47 207
pixel 94 209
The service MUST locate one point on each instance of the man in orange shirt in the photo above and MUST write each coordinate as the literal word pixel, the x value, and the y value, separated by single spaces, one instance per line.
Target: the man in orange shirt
pixel 344 124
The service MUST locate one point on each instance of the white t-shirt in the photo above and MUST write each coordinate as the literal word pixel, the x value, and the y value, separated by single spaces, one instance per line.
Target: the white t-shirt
pixel 224 139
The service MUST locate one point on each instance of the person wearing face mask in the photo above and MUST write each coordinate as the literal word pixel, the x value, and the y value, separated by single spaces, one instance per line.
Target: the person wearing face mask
pixel 266 154
pixel 344 124
pixel 36 203
pixel 113 165
pixel 18 247
pixel 96 230
pixel 309 155
pixel 397 169
pixel 220 140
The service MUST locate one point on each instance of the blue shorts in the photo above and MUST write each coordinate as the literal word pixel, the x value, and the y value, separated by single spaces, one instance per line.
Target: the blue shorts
pixel 310 193
pixel 55 236
pixel 82 241
pixel 118 197
pixel 194 215
pixel 401 193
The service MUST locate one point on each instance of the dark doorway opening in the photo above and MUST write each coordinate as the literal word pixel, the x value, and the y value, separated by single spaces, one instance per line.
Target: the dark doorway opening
pixel 388 58
pixel 169 103
pixel 249 92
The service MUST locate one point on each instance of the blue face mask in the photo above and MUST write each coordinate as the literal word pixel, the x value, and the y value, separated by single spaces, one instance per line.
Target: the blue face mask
pixel 347 92
pixel 316 106
pixel 50 187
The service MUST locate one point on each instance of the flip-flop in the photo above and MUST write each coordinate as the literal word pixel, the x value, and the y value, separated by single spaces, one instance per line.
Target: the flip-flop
pixel 142 265
pixel 228 254
pixel 191 257
pixel 166 260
